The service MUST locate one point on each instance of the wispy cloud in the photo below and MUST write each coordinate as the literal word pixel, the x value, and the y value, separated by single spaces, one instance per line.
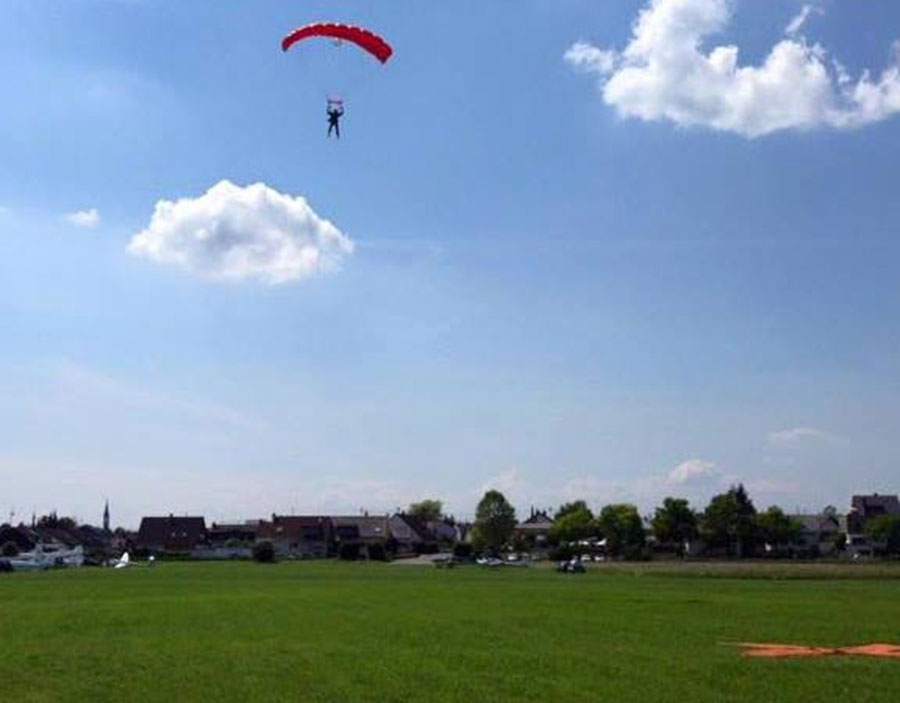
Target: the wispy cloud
pixel 796 435
pixel 83 385
pixel 664 74
pixel 800 19
pixel 83 218
pixel 507 482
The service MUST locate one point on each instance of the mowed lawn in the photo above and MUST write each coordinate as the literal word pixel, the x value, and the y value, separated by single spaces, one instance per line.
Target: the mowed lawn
pixel 355 632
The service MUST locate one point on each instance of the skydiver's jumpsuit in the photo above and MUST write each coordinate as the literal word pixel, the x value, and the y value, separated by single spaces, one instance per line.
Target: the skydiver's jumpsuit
pixel 334 121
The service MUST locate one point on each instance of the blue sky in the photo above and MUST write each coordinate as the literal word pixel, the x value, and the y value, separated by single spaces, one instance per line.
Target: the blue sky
pixel 563 283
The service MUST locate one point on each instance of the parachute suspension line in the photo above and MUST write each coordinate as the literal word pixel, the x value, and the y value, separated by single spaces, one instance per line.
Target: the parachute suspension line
pixel 340 36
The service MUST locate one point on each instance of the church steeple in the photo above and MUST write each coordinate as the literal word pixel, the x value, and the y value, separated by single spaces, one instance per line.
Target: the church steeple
pixel 106 516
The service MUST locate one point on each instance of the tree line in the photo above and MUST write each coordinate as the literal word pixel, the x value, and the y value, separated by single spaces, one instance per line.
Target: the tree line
pixel 729 526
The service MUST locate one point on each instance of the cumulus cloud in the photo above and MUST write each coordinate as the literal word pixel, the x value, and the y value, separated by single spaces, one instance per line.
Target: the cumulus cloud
pixel 83 218
pixel 693 471
pixel 235 233
pixel 665 73
pixel 796 435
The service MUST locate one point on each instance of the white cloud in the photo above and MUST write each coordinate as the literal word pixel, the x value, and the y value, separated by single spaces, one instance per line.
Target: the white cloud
pixel 795 435
pixel 800 19
pixel 234 233
pixel 583 55
pixel 508 482
pixel 665 74
pixel 83 218
pixel 693 471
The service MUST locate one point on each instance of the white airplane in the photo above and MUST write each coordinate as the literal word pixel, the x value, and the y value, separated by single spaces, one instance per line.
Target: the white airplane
pixel 125 561
pixel 42 558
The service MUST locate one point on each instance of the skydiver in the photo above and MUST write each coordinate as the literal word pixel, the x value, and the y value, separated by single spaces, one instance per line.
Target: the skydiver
pixel 335 112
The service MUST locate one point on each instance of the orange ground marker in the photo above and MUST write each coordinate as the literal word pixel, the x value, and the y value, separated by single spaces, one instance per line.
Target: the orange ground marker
pixel 784 651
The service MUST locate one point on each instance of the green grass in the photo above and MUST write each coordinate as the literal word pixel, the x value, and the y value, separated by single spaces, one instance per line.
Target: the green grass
pixel 338 632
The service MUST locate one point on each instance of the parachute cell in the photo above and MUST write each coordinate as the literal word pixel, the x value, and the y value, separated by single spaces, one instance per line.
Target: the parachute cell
pixel 363 38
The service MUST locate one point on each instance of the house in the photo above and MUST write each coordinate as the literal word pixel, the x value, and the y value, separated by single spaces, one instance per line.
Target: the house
pixel 864 509
pixel 298 536
pixel 171 534
pixel 535 531
pixel 411 535
pixel 446 531
pixel 365 535
pixel 222 534
pixel 821 532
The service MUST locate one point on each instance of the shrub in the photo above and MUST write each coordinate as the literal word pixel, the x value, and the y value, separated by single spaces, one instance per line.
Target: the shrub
pixel 562 553
pixel 349 552
pixel 264 552
pixel 462 551
pixel 9 549
pixel 377 552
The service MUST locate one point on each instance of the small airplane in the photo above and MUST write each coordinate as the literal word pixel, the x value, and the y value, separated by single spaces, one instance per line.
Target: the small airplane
pixel 41 558
pixel 125 561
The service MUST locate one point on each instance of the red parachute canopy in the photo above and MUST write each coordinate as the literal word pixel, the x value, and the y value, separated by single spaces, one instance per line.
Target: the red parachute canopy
pixel 363 38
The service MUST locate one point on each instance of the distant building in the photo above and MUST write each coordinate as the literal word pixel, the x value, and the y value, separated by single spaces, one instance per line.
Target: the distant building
pixel 821 533
pixel 171 534
pixel 446 531
pixel 364 533
pixel 864 509
pixel 411 535
pixel 536 529
pixel 222 533
pixel 299 536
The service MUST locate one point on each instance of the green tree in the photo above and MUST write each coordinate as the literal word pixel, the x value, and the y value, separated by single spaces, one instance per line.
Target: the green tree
pixel 54 521
pixel 574 525
pixel 777 529
pixel 264 552
pixel 729 522
pixel 840 542
pixel 622 528
pixel 495 521
pixel 885 531
pixel 427 510
pixel 674 523
pixel 577 506
pixel 9 549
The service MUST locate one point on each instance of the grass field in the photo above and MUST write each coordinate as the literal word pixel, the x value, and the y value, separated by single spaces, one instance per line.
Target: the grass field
pixel 355 632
